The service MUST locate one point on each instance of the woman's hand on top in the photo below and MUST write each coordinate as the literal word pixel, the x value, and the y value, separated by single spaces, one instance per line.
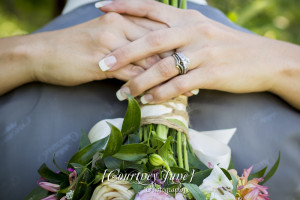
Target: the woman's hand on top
pixel 221 58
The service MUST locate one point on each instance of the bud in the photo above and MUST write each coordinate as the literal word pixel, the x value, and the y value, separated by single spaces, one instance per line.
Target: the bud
pixel 156 160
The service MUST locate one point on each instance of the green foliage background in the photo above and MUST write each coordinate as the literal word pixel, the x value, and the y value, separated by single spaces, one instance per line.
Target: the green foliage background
pixel 278 19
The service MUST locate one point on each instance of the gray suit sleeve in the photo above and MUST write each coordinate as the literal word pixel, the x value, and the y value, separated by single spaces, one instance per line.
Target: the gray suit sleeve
pixel 38 120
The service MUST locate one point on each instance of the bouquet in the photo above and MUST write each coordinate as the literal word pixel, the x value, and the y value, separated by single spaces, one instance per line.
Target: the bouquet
pixel 151 154
pixel 150 161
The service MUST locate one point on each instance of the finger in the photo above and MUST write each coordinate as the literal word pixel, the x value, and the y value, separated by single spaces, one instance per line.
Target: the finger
pixel 125 73
pixel 198 78
pixel 147 8
pixel 188 94
pixel 117 41
pixel 146 23
pixel 166 54
pixel 151 44
pixel 157 74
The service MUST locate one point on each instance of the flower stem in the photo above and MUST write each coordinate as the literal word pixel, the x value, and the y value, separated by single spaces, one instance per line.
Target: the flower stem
pixel 184 4
pixel 174 3
pixel 141 134
pixel 185 155
pixel 179 150
pixel 165 1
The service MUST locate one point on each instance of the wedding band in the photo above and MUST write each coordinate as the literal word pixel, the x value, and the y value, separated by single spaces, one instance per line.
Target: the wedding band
pixel 182 62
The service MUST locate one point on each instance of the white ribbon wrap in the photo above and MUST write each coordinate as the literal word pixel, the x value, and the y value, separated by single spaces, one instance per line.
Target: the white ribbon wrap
pixel 209 146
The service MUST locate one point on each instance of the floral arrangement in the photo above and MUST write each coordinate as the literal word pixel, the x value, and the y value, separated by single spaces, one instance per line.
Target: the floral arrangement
pixel 144 162
pixel 148 156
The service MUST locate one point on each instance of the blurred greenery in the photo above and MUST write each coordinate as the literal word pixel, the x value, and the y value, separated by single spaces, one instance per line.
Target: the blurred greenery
pixel 278 19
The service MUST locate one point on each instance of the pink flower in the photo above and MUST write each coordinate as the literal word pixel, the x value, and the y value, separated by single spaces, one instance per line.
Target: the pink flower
pixel 49 186
pixel 51 197
pixel 250 190
pixel 152 194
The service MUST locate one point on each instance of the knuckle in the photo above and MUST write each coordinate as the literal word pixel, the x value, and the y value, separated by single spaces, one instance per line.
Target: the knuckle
pixel 166 68
pixel 206 28
pixel 112 17
pixel 180 85
pixel 155 38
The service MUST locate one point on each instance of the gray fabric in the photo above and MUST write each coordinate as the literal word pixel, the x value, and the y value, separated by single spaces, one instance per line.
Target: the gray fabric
pixel 38 120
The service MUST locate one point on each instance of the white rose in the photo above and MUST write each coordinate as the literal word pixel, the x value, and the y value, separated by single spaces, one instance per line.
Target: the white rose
pixel 113 189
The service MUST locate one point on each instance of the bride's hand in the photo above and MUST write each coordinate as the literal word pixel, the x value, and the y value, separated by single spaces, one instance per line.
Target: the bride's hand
pixel 220 58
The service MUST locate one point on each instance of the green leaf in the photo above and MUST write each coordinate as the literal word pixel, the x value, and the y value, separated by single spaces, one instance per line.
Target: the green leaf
pixel 37 194
pixel 272 170
pixel 112 163
pixel 133 139
pixel 84 141
pixel 84 155
pixel 132 119
pixel 167 154
pixel 198 177
pixel 77 167
pixel 258 174
pixel 231 164
pixel 227 174
pixel 82 184
pixel 58 167
pixel 51 176
pixel 234 184
pixel 137 187
pixel 194 189
pixel 132 152
pixel 114 142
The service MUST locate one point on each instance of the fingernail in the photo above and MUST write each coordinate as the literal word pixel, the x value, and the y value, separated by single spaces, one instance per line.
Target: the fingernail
pixel 102 3
pixel 121 93
pixel 146 98
pixel 195 92
pixel 107 63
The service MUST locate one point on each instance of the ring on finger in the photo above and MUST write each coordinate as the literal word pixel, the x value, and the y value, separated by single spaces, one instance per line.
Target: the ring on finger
pixel 182 62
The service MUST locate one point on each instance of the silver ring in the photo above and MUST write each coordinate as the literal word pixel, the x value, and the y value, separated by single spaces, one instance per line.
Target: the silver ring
pixel 182 62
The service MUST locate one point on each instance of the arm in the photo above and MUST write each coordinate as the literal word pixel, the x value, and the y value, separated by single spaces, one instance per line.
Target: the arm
pixel 16 62
pixel 70 56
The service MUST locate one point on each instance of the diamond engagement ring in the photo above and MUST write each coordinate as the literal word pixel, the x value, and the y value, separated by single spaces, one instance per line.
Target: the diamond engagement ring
pixel 182 62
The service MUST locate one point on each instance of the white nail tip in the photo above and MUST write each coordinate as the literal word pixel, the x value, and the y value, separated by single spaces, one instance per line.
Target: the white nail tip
pixel 103 66
pixel 143 100
pixel 195 92
pixel 120 96
pixel 102 3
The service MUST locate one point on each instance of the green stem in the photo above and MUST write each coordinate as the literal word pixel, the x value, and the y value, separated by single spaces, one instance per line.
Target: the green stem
pixel 174 3
pixel 145 133
pixel 179 150
pixel 184 4
pixel 185 155
pixel 141 134
pixel 165 1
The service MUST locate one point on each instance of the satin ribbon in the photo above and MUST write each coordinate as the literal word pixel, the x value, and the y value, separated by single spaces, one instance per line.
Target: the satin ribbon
pixel 209 146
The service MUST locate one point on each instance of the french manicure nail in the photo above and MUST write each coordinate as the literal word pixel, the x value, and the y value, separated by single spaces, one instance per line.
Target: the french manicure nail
pixel 121 93
pixel 147 98
pixel 102 3
pixel 195 92
pixel 107 63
